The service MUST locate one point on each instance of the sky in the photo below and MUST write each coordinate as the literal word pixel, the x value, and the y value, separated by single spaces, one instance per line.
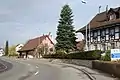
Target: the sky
pixel 21 20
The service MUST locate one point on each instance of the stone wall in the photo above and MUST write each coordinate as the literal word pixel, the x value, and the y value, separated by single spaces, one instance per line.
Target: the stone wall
pixel 86 63
pixel 108 67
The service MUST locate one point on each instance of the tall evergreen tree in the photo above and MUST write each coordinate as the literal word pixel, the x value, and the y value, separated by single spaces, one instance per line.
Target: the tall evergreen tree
pixel 65 30
pixel 6 48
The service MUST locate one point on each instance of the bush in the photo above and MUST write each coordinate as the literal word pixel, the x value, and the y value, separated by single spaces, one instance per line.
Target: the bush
pixel 107 56
pixel 59 54
pixel 88 55
pixel 13 54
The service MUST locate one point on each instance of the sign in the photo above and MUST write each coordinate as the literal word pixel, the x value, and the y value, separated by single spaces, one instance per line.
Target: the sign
pixel 115 54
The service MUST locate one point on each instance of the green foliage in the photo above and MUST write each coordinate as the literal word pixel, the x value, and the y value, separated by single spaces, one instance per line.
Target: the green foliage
pixel 65 32
pixel 107 56
pixel 60 52
pixel 88 55
pixel 13 54
pixel 6 49
pixel 12 51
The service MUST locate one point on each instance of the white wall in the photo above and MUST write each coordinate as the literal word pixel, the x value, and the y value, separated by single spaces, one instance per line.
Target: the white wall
pixel 18 48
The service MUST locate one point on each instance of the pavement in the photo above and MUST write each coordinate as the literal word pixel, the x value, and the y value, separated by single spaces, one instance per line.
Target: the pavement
pixel 5 66
pixel 42 69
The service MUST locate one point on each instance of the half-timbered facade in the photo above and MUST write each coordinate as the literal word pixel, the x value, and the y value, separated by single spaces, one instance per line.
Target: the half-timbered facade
pixel 104 30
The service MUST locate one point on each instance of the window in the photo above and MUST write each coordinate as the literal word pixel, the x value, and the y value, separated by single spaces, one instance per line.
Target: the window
pixel 98 38
pixel 117 36
pixel 98 32
pixel 103 45
pixel 95 34
pixel 107 37
pixel 116 29
pixel 103 33
pixel 91 33
pixel 95 46
pixel 51 49
pixel 112 32
pixel 107 31
pixel 112 45
pixel 112 16
pixel 91 39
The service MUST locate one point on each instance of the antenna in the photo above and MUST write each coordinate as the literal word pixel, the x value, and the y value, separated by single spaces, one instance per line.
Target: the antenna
pixel 99 9
pixel 107 12
pixel 107 8
pixel 49 33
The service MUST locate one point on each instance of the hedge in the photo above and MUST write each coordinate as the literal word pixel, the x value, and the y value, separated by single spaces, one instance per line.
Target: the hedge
pixel 87 55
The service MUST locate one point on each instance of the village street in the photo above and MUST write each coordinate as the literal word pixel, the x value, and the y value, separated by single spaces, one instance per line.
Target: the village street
pixel 36 69
pixel 29 70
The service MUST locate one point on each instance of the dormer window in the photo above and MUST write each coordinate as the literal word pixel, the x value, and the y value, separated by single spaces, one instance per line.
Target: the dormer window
pixel 112 17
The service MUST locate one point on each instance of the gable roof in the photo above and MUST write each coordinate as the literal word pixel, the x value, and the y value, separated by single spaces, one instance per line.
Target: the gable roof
pixel 100 20
pixel 33 43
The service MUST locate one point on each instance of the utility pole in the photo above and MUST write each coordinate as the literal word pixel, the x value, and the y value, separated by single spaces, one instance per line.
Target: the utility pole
pixel 89 36
pixel 99 9
pixel 86 40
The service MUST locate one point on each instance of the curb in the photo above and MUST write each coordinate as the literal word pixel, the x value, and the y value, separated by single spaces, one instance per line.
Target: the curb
pixel 89 75
pixel 84 71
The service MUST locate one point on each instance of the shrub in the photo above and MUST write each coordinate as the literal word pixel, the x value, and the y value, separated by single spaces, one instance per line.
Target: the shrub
pixel 107 56
pixel 59 54
pixel 88 55
pixel 13 54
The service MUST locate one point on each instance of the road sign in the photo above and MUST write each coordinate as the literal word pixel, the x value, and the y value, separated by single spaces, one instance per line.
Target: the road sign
pixel 115 54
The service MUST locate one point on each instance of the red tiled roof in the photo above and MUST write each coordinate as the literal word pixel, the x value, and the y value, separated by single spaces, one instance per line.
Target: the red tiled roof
pixel 100 20
pixel 33 43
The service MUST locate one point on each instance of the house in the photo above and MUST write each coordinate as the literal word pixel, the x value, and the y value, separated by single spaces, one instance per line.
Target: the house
pixel 2 52
pixel 37 47
pixel 18 47
pixel 80 45
pixel 104 31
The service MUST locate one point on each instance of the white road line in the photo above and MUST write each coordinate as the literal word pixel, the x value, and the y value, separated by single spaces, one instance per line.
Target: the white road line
pixel 4 68
pixel 36 73
pixel 36 66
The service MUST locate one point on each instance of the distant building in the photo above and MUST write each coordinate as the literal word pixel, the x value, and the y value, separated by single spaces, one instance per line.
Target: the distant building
pixel 2 52
pixel 104 30
pixel 18 47
pixel 35 46
pixel 80 45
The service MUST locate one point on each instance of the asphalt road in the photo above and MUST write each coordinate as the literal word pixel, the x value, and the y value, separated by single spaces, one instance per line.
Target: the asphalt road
pixel 35 70
pixel 5 66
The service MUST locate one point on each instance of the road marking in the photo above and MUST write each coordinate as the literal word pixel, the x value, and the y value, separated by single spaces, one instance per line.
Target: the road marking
pixel 36 73
pixel 4 66
pixel 36 66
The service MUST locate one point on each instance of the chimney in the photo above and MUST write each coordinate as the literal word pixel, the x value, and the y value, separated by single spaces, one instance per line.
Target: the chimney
pixel 50 36
pixel 49 33
pixel 106 8
pixel 99 9
pixel 107 12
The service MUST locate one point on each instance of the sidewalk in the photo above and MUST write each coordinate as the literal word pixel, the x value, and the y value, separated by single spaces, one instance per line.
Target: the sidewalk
pixel 94 74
